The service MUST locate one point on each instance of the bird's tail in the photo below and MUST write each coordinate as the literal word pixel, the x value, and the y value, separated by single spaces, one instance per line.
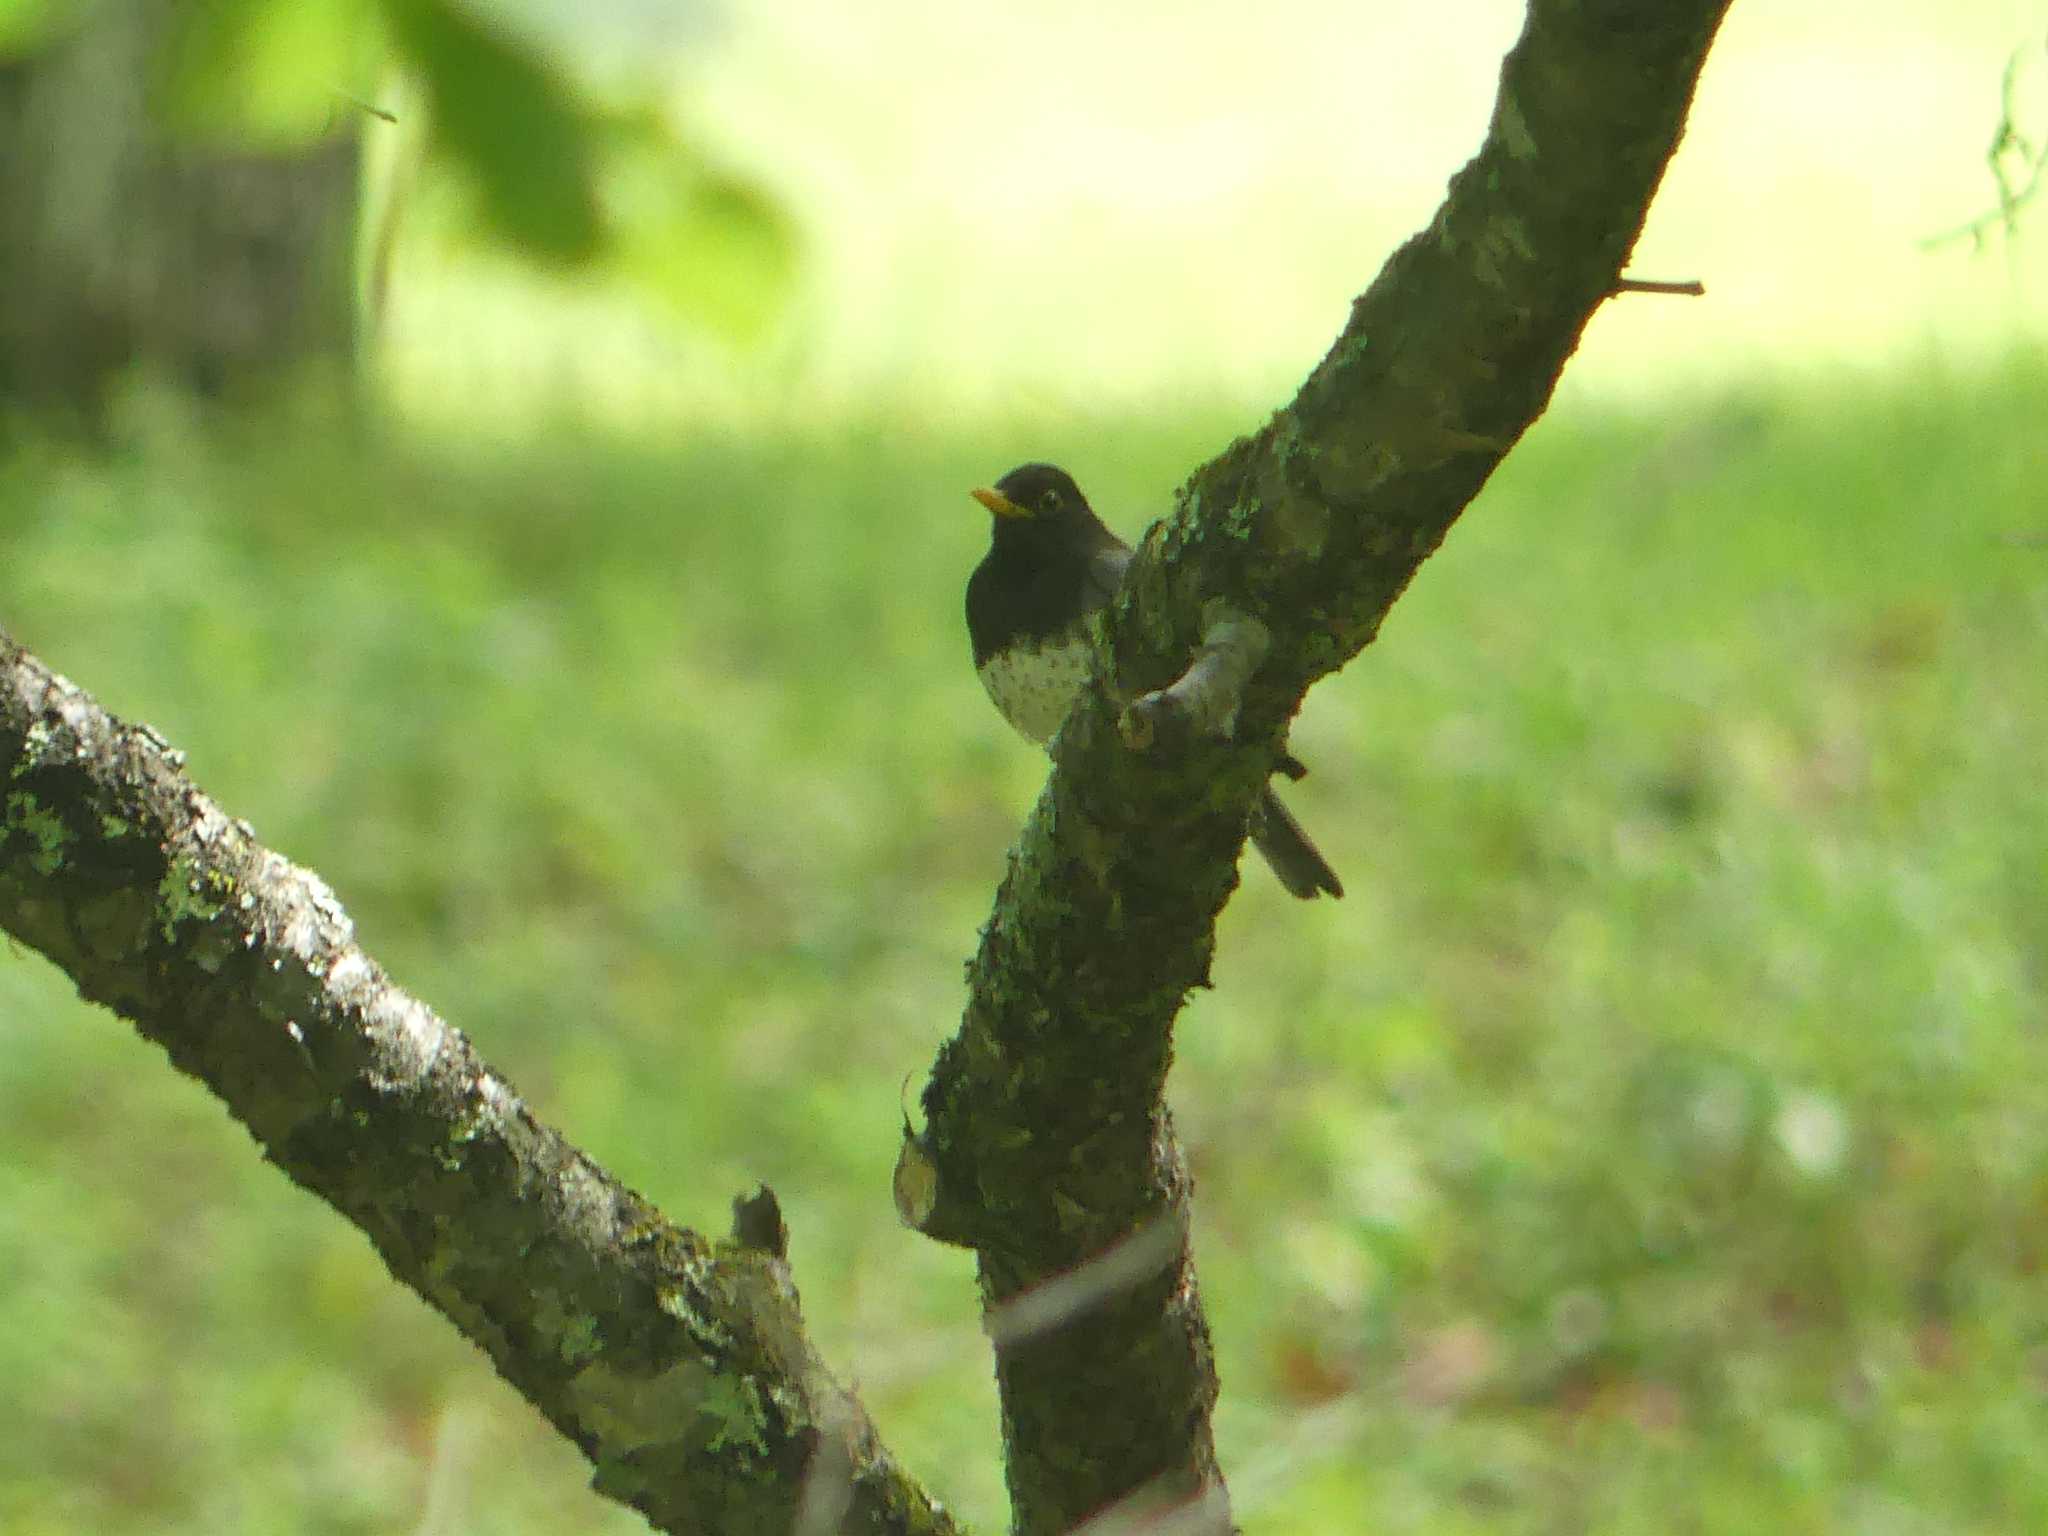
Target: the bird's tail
pixel 1277 835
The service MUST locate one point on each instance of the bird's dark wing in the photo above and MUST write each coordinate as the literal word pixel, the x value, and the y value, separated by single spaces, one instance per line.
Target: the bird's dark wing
pixel 1105 574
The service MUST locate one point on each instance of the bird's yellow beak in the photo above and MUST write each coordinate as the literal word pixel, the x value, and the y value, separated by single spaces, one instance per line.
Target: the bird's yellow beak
pixel 998 503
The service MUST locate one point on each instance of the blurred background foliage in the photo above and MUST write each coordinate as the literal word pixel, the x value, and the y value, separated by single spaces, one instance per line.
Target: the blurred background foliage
pixel 1653 1139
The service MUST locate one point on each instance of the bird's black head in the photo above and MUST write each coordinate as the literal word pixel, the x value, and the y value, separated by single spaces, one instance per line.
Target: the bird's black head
pixel 1050 563
pixel 1040 498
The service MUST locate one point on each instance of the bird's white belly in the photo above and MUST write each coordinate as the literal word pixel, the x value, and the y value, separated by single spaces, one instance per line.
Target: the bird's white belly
pixel 1034 688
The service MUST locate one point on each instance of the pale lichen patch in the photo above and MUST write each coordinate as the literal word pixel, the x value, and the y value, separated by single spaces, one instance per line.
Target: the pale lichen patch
pixel 188 890
pixel 581 1339
pixel 626 1410
pixel 409 1037
pixel 43 828
pixel 36 746
pixel 1515 136
pixel 739 1419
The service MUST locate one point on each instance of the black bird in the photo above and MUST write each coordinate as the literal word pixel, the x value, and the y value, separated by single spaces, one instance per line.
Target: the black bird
pixel 1033 605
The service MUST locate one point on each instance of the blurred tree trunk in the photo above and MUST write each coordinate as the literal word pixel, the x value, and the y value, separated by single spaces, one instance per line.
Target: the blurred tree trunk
pixel 122 245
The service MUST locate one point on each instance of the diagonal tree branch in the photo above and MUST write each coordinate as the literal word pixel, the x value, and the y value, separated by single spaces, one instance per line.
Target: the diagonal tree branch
pixel 678 1364
pixel 1047 1138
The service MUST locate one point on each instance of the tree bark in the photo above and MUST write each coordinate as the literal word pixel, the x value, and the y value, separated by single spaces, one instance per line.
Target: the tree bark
pixel 122 245
pixel 1048 1141
pixel 676 1363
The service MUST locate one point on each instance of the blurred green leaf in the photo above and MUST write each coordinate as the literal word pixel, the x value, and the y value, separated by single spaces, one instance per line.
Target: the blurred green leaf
pixel 265 72
pixel 677 229
pixel 24 24
pixel 510 121
pixel 708 244
pixel 536 164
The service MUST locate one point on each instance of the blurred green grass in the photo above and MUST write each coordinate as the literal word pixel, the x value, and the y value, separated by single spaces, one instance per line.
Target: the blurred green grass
pixel 1654 1139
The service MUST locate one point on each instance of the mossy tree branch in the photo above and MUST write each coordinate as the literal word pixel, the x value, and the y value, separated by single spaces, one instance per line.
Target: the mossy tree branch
pixel 677 1363
pixel 1047 1138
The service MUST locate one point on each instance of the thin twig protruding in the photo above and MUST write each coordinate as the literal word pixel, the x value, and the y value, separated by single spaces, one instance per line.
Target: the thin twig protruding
pixel 1691 288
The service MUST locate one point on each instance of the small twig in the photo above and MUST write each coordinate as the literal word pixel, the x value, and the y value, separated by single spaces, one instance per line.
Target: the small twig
pixel 1692 288
pixel 2008 144
pixel 1205 698
pixel 757 1222
pixel 363 106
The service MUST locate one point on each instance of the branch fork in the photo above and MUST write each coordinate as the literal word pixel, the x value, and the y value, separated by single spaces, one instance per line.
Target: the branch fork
pixel 1205 699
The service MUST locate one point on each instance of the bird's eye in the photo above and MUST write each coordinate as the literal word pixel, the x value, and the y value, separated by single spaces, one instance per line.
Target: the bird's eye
pixel 1049 499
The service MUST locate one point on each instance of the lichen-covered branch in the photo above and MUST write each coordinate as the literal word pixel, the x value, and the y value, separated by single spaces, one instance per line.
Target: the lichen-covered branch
pixel 677 1363
pixel 1047 1140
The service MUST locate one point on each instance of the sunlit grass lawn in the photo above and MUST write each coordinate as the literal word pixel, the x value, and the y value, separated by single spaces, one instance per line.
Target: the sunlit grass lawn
pixel 1655 1139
